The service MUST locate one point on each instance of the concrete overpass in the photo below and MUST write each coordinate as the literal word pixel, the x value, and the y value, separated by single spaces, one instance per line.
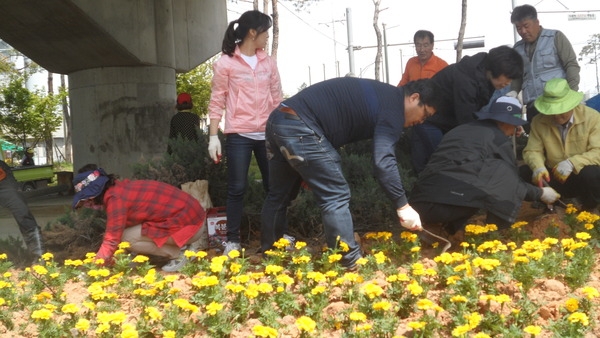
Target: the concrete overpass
pixel 121 57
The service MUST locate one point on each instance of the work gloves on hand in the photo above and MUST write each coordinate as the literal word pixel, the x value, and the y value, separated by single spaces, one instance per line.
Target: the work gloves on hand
pixel 549 195
pixel 539 176
pixel 409 218
pixel 214 148
pixel 562 170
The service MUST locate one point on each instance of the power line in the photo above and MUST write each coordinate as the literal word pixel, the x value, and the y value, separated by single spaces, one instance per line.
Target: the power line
pixel 309 25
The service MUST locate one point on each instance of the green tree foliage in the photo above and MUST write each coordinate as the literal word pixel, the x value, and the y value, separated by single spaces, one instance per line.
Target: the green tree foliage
pixel 25 114
pixel 197 82
pixel 15 106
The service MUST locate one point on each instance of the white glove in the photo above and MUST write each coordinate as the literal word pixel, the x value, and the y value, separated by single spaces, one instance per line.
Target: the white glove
pixel 549 195
pixel 409 218
pixel 515 94
pixel 214 148
pixel 562 170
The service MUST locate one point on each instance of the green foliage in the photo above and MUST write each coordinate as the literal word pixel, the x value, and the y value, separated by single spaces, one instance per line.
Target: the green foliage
pixel 188 162
pixel 197 82
pixel 24 113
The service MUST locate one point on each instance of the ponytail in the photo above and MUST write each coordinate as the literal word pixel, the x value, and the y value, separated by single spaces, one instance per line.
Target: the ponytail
pixel 249 20
pixel 229 40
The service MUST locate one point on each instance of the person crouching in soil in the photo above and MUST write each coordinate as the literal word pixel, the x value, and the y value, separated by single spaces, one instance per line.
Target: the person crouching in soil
pixel 154 217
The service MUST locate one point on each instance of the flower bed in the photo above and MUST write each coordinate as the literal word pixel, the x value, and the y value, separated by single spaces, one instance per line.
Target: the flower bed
pixel 508 283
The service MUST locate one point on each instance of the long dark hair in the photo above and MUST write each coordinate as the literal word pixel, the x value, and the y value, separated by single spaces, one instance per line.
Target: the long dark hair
pixel 249 20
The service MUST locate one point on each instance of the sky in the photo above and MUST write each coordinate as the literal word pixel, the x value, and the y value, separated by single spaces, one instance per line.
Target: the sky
pixel 308 52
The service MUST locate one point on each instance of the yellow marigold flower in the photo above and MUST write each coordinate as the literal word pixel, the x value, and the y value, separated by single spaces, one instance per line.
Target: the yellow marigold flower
pixel 380 257
pixel 40 270
pixel 416 325
pixel 452 280
pixel 511 245
pixel 168 334
pixel 124 245
pixel 569 254
pixel 481 335
pixel 590 292
pixel 40 297
pixel 273 269
pixel 503 298
pixel 70 308
pixel 334 258
pixel 264 331
pixel 536 255
pixel 153 313
pixel 474 319
pixel 414 288
pixel 425 304
pixel 362 261
pixel 461 330
pixel 316 276
pixel 99 273
pixel 371 290
pixel 299 245
pixel 42 314
pixel 486 263
pixel 572 304
pixel 352 277
pixel 533 330
pixel 129 331
pixel 47 256
pixel 579 317
pixel 570 209
pixel 7 274
pixel 364 327
pixel 520 259
pixel 408 236
pixel 233 254
pixel 282 243
pixel 465 245
pixel 71 262
pixel 235 267
pixel 185 305
pixel 458 299
pixel 82 324
pixel 584 236
pixel 2 301
pixel 306 324
pixel 383 305
pixel 358 317
pixel 213 308
pixel 285 279
pixel 344 246
pixel 588 226
pixel 300 259
pixel 587 217
pixel 319 289
pixel 3 256
pixel 102 328
pixel 518 225
pixel 415 249
pixel 140 259
pixel 201 254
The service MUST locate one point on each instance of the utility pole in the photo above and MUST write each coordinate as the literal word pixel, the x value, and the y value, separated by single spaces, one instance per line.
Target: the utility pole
pixel 332 23
pixel 385 53
pixel 350 42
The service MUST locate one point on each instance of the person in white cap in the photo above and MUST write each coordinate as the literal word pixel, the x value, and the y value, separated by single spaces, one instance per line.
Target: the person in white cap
pixel 474 168
pixel 565 141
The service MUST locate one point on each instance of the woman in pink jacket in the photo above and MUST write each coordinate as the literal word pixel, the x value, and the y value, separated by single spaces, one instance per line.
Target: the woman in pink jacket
pixel 245 89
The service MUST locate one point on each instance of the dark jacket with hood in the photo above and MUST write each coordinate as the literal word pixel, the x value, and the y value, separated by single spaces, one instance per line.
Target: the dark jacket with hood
pixel 475 166
pixel 465 90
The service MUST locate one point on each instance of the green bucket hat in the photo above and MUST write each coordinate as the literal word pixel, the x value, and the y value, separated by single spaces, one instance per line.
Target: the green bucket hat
pixel 558 98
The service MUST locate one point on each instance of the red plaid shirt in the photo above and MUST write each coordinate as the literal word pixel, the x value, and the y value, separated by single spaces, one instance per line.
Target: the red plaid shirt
pixel 163 211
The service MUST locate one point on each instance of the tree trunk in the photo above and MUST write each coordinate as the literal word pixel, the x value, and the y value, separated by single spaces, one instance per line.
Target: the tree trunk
pixel 461 31
pixel 379 42
pixel 48 140
pixel 275 43
pixel 66 123
pixel 255 5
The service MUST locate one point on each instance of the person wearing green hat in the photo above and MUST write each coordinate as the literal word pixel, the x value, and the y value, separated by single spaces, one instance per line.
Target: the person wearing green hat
pixel 28 159
pixel 563 150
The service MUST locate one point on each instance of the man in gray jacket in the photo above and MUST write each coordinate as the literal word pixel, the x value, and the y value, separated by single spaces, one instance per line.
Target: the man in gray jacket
pixel 546 53
pixel 474 168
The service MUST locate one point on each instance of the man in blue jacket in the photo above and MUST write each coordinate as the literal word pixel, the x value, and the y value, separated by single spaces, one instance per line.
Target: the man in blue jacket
pixel 304 132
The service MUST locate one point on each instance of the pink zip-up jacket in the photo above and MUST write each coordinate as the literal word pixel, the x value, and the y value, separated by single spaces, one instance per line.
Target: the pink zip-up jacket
pixel 245 96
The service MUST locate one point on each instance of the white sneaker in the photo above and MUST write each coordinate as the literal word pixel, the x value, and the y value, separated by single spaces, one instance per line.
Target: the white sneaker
pixel 230 246
pixel 176 264
pixel 292 240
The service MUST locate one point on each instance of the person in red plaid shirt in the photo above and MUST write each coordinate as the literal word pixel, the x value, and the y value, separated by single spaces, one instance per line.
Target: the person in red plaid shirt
pixel 154 217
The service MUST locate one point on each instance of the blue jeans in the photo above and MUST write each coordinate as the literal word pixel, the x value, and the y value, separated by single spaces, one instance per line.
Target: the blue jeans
pixel 297 154
pixel 424 140
pixel 239 151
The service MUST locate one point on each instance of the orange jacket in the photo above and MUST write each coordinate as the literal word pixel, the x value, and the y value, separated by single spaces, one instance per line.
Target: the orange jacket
pixel 414 70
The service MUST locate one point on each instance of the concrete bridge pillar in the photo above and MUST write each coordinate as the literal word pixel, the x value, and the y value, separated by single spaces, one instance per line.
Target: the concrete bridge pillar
pixel 121 115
